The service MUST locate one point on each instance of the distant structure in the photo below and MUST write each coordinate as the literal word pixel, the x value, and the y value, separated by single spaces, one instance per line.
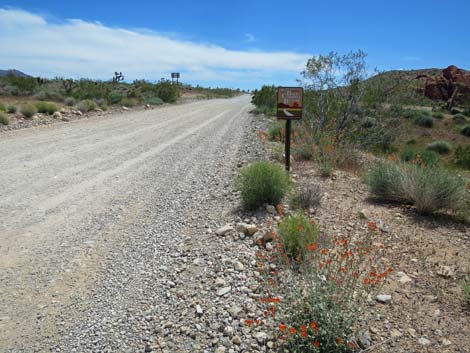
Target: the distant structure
pixel 118 77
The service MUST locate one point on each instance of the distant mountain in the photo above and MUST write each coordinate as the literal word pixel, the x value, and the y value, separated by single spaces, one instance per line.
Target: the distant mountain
pixel 12 72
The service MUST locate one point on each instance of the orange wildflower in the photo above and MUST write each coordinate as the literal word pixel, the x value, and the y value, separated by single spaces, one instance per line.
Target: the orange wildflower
pixel 316 344
pixel 339 340
pixel 303 328
pixel 248 322
pixel 373 226
pixel 312 247
pixel 313 325
pixel 299 228
pixel 293 330
pixel 282 327
pixel 304 334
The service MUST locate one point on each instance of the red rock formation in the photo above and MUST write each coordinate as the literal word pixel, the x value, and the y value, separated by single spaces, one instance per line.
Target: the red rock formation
pixel 452 84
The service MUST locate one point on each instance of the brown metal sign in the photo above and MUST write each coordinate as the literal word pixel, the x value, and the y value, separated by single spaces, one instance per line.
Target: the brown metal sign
pixel 290 103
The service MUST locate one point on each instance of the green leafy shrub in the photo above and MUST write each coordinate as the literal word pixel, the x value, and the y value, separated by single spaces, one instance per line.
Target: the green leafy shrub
pixel 46 107
pixel 2 107
pixel 297 232
pixel 69 101
pixel 454 111
pixel 305 197
pixel 4 119
pixel 12 109
pixel 262 182
pixel 424 121
pixel 411 142
pixel 429 189
pixel 368 122
pixel 420 156
pixel 166 90
pixel 441 147
pixel 465 131
pixel 438 115
pixel 28 110
pixel 459 119
pixel 466 293
pixel 265 99
pixel 129 102
pixel 462 156
pixel 86 105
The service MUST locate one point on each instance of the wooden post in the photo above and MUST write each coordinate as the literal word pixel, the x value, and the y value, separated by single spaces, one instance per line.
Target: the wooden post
pixel 287 140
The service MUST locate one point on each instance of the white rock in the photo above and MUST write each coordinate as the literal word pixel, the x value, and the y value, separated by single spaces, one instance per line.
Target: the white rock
pixel 424 341
pixel 223 291
pixel 57 115
pixel 238 266
pixel 384 298
pixel 229 331
pixel 224 230
pixel 125 108
pixel 220 349
pixel 445 342
pixel 403 278
pixel 395 333
pixel 247 229
pixel 199 311
pixel 219 282
pixel 260 337
pixel 271 209
pixel 446 271
pixel 236 340
pixel 269 246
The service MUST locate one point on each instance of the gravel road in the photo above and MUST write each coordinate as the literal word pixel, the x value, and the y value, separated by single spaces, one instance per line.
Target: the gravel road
pixel 94 215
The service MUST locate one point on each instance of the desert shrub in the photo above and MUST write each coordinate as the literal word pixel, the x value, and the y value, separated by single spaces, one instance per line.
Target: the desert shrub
pixel 315 307
pixel 276 131
pixel 46 107
pixel 49 95
pixel 302 152
pixel 296 233
pixel 411 142
pixel 462 156
pixel 114 97
pixel 28 110
pixel 424 121
pixel 4 119
pixel 277 153
pixel 441 147
pixel 262 182
pixel 103 106
pixel 465 131
pixel 432 189
pixel 438 115
pixel 153 101
pixel 23 85
pixel 466 293
pixel 69 101
pixel 368 122
pixel 86 105
pixel 265 99
pixel 383 180
pixel 129 102
pixel 420 156
pixel 166 90
pixel 12 109
pixel 429 189
pixel 3 107
pixel 459 119
pixel 305 197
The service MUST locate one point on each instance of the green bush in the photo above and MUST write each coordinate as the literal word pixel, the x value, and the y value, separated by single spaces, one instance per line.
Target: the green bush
pixel 265 98
pixel 69 101
pixel 306 197
pixel 46 107
pixel 86 105
pixel 462 156
pixel 276 131
pixel 454 111
pixel 459 119
pixel 429 189
pixel 465 131
pixel 262 182
pixel 432 189
pixel 420 156
pixel 384 181
pixel 411 142
pixel 28 110
pixel 2 107
pixel 114 97
pixel 438 115
pixel 153 101
pixel 4 119
pixel 297 232
pixel 466 293
pixel 129 102
pixel 167 91
pixel 302 152
pixel 12 109
pixel 368 122
pixel 441 147
pixel 424 121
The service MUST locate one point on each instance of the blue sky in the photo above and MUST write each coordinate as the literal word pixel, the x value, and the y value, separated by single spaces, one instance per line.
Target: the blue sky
pixel 227 43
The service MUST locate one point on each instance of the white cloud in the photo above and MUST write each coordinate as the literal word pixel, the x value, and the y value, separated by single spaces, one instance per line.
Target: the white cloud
pixel 76 48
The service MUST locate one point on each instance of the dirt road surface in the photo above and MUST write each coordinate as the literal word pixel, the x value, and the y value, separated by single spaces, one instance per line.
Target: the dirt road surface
pixel 90 215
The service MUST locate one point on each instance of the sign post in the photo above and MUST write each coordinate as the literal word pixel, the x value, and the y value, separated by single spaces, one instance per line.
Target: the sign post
pixel 289 107
pixel 175 75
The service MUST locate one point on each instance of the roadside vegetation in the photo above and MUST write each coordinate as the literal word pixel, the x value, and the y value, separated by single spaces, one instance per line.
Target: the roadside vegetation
pixel 408 150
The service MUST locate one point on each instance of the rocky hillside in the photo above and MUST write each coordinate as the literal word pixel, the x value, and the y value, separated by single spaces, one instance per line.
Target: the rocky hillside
pixel 13 72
